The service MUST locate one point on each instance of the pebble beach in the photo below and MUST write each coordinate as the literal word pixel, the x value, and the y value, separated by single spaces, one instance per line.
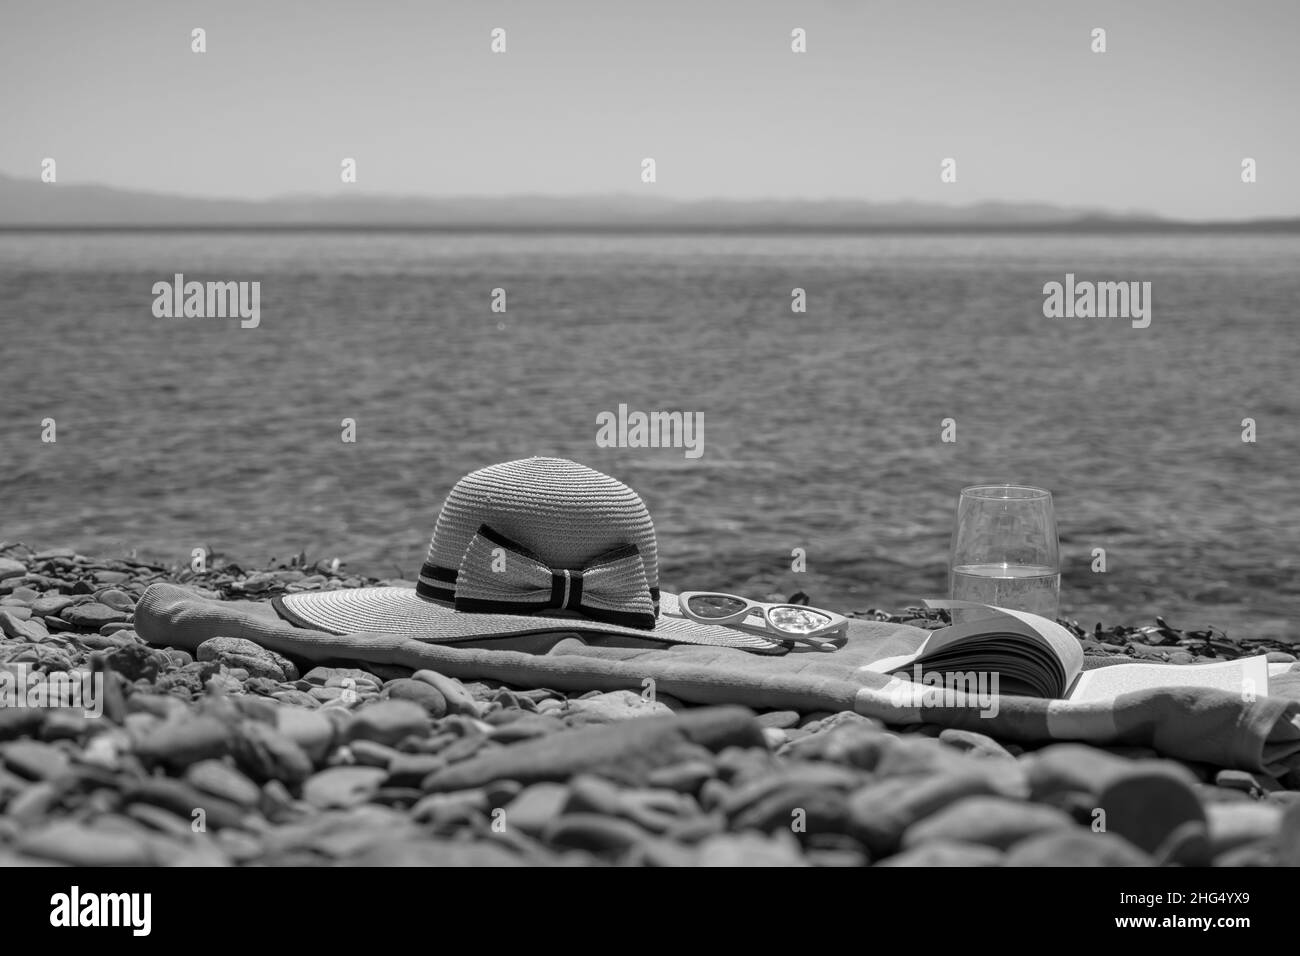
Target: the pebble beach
pixel 237 756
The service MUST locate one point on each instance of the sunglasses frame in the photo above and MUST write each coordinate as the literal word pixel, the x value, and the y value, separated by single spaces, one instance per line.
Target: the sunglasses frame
pixel 837 627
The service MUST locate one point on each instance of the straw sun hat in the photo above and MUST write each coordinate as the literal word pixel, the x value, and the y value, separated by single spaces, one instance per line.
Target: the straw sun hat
pixel 538 545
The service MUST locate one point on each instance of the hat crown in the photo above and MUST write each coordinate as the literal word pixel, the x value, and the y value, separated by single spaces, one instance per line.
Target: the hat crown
pixel 565 513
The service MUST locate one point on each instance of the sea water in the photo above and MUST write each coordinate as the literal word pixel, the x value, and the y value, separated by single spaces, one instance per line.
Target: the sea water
pixel 1016 586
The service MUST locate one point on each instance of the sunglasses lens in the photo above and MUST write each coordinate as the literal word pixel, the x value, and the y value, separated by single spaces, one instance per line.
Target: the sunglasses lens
pixel 798 620
pixel 715 605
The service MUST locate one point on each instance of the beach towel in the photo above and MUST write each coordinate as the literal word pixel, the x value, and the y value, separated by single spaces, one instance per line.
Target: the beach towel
pixel 1192 724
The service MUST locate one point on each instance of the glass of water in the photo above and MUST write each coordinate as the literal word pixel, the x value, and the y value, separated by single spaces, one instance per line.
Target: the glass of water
pixel 1005 550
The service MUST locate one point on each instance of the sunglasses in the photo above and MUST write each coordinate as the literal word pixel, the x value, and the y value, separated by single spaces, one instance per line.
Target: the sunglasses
pixel 791 623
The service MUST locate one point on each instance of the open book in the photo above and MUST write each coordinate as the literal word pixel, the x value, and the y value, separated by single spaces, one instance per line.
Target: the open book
pixel 1031 656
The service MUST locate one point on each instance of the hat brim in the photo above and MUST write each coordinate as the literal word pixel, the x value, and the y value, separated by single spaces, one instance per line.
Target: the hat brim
pixel 398 610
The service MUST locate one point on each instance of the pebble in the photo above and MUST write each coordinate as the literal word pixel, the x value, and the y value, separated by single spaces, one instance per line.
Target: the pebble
pixel 1148 802
pixel 258 661
pixel 10 568
pixel 750 849
pixel 975 744
pixel 1233 824
pixel 389 722
pixel 616 705
pixel 419 692
pixel 1060 769
pixel 881 812
pixel 945 853
pixel 990 821
pixel 181 742
pixel 34 760
pixel 458 699
pixel 311 731
pixel 15 626
pixel 264 754
pixel 342 786
pixel 222 780
pixel 1076 848
pixel 625 751
pixel 92 615
pixel 592 832
pixel 76 844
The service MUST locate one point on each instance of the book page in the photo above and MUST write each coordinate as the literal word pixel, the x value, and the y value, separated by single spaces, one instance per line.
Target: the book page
pixel 1060 641
pixel 982 637
pixel 1247 675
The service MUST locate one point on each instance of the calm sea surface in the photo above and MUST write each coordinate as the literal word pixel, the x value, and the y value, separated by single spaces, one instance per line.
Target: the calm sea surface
pixel 822 430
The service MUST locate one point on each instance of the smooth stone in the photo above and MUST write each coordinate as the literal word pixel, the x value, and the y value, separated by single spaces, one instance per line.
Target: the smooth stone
pixel 353 678
pixel 1234 824
pixel 616 705
pixel 537 807
pixel 1245 781
pixel 1078 847
pixel 296 698
pixel 945 853
pixel 1071 768
pixel 459 699
pixel 881 812
pixel 1148 803
pixel 464 807
pixel 389 722
pixel 76 844
pixel 526 728
pixel 265 754
pixel 819 810
pixel 780 719
pixel 750 849
pixel 183 800
pixel 118 600
pixel 1288 836
pixel 16 609
pixel 442 853
pixel 592 794
pixel 411 770
pixel 222 780
pixel 14 626
pixel 593 833
pixel 625 751
pixel 252 657
pixel 49 605
pixel 34 760
pixel 1280 657
pixel 990 821
pixel 181 742
pixel 685 777
pixel 1187 845
pixel 367 753
pixel 342 787
pixel 419 692
pixel 975 744
pixel 800 777
pixel 29 805
pixel 926 756
pixel 9 568
pixel 92 615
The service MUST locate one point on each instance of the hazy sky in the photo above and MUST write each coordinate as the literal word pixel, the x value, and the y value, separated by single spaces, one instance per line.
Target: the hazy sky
pixel 708 88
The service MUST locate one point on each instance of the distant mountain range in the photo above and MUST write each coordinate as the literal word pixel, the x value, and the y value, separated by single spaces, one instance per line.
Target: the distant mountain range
pixel 26 204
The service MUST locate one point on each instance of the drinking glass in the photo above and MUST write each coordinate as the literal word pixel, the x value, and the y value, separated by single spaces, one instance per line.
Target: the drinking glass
pixel 1005 551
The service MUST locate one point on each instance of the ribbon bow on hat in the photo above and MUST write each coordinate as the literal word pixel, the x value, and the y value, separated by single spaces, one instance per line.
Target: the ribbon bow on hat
pixel 501 576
